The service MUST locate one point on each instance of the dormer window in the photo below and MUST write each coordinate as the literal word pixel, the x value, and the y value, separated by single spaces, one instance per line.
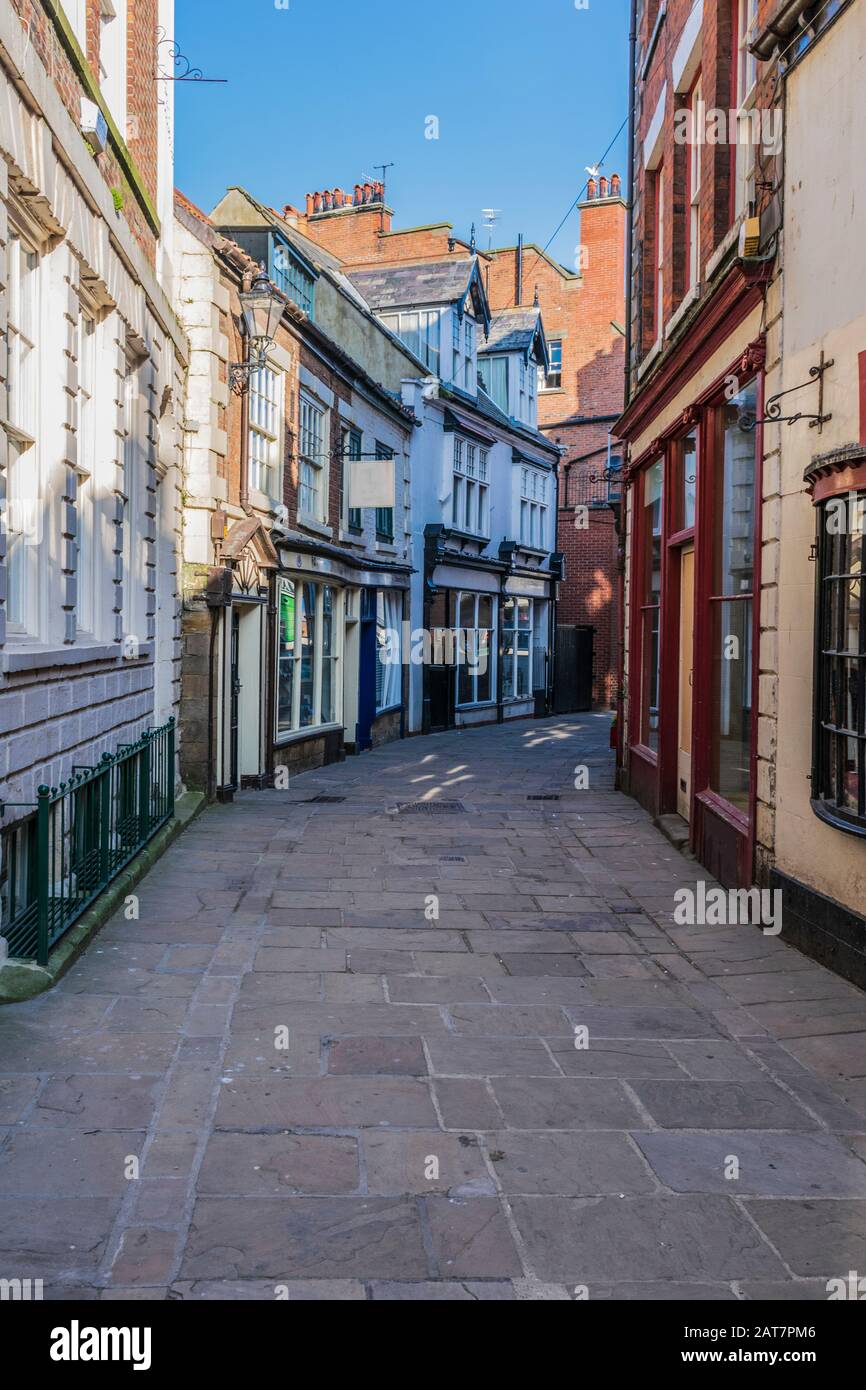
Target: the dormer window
pixel 293 279
pixel 495 377
pixel 419 330
pixel 469 501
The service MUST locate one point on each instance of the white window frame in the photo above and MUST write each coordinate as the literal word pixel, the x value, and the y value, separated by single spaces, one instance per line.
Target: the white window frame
pixel 468 642
pixel 389 623
pixel 133 568
pixel 284 735
pixel 26 508
pixel 313 459
pixel 112 60
pixel 746 94
pixel 660 252
pixel 420 330
pixel 544 383
pixel 470 488
pixel 86 568
pixel 470 378
pixel 520 636
pixel 534 508
pixel 695 173
pixel 267 408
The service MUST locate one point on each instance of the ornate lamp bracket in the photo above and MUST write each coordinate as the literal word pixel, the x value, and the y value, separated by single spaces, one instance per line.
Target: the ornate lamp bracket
pixel 773 406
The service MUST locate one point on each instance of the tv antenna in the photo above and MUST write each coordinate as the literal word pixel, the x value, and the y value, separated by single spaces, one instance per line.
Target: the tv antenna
pixel 491 218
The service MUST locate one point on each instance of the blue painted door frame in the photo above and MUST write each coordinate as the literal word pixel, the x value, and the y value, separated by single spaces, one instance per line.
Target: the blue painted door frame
pixel 367 672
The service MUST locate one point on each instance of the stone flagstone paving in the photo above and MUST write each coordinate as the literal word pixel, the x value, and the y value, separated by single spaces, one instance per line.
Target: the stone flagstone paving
pixel 431 1131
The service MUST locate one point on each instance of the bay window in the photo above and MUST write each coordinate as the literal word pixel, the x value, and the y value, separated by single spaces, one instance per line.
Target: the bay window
pixel 533 508
pixel 266 415
pixel 312 495
pixel 420 330
pixel 308 656
pixel 650 597
pixel 517 645
pixel 470 488
pixel 389 648
pixel 731 597
pixel 839 772
pixel 475 676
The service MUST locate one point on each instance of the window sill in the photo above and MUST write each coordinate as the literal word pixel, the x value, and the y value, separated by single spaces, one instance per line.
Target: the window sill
pixel 352 538
pixel 552 391
pixel 389 709
pixel 26 655
pixel 478 704
pixel 320 528
pixel 385 548
pixel 649 358
pixel 691 297
pixel 314 731
pixel 831 815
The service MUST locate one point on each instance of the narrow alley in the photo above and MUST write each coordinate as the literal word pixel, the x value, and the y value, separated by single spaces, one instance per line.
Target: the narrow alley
pixel 423 1026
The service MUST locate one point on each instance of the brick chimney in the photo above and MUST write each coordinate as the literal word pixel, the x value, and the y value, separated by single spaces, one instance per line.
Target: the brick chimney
pixel 602 241
pixel 350 225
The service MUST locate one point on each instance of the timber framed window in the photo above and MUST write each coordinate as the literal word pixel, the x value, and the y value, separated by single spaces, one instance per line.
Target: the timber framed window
pixel 24 504
pixel 470 488
pixel 517 648
pixel 839 761
pixel 650 579
pixel 351 450
pixel 533 508
pixel 309 653
pixel 475 675
pixel 266 402
pixel 312 497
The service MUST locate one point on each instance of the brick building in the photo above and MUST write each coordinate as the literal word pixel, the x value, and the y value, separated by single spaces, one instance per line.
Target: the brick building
pixel 92 382
pixel 291 586
pixel 580 394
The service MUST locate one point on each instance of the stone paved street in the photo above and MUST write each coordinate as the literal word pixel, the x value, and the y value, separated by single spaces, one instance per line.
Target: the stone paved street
pixel 431 1130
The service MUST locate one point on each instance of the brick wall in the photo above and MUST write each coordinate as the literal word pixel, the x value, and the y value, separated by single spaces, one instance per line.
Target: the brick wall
pixel 141 90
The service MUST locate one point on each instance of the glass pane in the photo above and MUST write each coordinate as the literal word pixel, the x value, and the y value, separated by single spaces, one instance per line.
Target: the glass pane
pixel 466 614
pixel 735 495
pixel 485 611
pixel 650 695
pixel 308 656
pixel 507 666
pixel 524 683
pixel 327 621
pixel 485 674
pixel 524 613
pixel 689 481
pixel 466 677
pixel 731 730
pixel 286 657
pixel 328 715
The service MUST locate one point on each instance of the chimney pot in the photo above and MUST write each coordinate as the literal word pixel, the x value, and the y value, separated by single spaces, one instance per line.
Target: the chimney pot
pixel 590 188
pixel 615 185
pixel 338 197
pixel 359 195
pixel 310 204
pixel 317 202
pixel 602 187
pixel 368 193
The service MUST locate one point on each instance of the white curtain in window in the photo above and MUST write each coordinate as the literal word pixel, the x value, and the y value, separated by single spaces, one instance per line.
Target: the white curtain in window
pixel 389 668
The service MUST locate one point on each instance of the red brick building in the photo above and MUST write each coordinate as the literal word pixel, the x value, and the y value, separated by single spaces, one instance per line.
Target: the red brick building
pixel 704 239
pixel 583 311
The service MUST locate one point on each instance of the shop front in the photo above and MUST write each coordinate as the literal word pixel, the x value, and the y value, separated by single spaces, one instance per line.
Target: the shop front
pixel 693 615
pixel 339 660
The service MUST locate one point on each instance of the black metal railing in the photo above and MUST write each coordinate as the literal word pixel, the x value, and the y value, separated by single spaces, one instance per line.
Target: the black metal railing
pixel 83 833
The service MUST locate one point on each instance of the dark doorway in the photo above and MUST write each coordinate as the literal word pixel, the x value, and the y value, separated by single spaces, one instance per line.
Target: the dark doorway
pixel 572 678
pixel 367 663
pixel 234 709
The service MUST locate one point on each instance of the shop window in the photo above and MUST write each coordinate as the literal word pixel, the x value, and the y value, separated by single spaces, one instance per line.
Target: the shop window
pixel 731 597
pixel 308 656
pixel 839 774
pixel 389 668
pixel 517 649
pixel 474 649
pixel 651 593
pixel 685 482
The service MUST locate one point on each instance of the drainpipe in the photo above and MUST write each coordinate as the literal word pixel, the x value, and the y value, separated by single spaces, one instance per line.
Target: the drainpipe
pixel 519 269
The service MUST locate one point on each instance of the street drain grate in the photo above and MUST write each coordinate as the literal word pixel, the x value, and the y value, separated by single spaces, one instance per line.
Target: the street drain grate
pixel 547 797
pixel 322 800
pixel 431 808
pixel 452 859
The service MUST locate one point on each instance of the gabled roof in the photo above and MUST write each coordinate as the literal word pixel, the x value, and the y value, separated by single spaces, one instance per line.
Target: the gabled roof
pixel 424 285
pixel 517 330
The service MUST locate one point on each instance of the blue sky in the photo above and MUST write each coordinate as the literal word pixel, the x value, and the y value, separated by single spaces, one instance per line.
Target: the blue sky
pixel 526 92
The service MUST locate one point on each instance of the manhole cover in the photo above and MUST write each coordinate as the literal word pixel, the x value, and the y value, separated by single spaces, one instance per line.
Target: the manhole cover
pixel 431 808
pixel 452 859
pixel 546 797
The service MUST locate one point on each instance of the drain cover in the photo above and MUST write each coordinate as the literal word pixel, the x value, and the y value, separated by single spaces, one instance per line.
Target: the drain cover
pixel 452 859
pixel 431 808
pixel 543 798
pixel 322 800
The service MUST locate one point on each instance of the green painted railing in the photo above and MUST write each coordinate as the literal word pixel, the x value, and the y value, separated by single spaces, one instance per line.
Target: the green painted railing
pixel 83 833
